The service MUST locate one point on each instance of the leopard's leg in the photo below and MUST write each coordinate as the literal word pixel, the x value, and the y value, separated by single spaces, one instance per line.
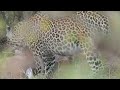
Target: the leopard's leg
pixel 50 64
pixel 93 58
pixel 94 61
pixel 37 69
pixel 46 63
pixel 91 54
pixel 39 65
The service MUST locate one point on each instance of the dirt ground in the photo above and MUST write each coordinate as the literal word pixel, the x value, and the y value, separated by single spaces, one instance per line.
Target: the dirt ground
pixel 15 66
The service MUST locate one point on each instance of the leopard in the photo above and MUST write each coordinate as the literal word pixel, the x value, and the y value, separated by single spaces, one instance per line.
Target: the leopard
pixel 48 38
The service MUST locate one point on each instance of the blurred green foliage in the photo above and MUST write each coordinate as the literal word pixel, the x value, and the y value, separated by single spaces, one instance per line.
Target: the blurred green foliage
pixel 2 27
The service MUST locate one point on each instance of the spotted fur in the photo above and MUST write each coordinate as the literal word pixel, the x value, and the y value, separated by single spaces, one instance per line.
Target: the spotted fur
pixel 47 37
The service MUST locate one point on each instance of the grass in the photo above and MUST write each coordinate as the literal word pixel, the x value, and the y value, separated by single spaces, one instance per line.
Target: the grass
pixel 3 57
pixel 78 69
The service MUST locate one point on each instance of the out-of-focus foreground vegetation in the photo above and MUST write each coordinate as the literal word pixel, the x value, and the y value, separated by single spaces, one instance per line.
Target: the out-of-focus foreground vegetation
pixel 78 68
